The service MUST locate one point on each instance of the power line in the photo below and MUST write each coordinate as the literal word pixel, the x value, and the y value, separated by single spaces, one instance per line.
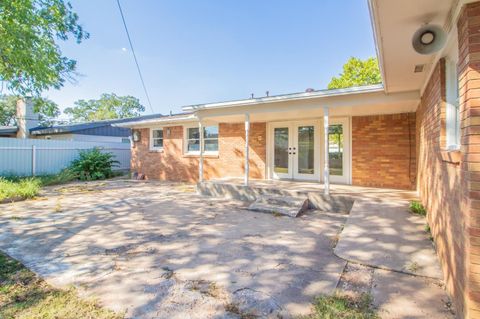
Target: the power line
pixel 135 56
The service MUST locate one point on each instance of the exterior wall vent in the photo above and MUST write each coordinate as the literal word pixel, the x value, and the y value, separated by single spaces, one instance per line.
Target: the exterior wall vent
pixel 419 68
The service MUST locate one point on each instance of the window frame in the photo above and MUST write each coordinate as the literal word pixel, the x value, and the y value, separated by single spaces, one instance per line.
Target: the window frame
pixel 186 139
pixel 156 148
pixel 452 100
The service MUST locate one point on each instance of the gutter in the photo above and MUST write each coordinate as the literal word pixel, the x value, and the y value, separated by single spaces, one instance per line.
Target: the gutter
pixel 159 120
pixel 288 97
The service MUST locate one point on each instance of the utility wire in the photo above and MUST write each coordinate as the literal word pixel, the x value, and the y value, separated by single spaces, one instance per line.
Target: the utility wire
pixel 135 56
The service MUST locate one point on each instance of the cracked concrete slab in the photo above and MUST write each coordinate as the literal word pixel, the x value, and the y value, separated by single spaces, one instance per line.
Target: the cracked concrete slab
pixel 159 250
pixel 398 295
pixel 382 233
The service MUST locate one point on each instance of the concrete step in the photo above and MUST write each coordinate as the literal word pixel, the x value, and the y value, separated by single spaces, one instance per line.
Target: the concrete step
pixel 283 205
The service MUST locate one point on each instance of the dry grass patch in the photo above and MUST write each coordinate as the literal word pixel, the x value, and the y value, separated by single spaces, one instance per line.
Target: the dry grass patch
pixel 23 295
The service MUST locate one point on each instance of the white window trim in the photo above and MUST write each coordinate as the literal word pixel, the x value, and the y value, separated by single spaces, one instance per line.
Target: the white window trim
pixel 185 141
pixel 156 148
pixel 452 121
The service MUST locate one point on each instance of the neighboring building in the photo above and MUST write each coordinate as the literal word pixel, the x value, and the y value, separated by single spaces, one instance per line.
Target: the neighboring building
pixel 99 131
pixel 8 131
pixel 420 130
pixel 28 126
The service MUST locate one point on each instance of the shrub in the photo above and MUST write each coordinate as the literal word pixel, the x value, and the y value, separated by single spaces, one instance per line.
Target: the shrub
pixel 417 208
pixel 93 165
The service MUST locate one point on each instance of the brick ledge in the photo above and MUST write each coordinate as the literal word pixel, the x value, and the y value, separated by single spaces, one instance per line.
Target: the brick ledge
pixel 451 156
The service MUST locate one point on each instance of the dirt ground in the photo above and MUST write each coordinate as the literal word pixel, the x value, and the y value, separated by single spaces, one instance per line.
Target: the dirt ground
pixel 158 250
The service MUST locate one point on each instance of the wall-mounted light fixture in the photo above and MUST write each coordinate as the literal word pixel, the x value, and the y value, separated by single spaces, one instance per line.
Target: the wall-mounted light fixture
pixel 168 132
pixel 136 136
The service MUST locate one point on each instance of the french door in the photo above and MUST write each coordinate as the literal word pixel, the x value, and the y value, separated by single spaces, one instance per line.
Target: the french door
pixel 339 150
pixel 295 150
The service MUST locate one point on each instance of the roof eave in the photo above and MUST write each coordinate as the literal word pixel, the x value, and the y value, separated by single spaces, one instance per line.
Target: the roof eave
pixel 377 39
pixel 288 97
pixel 157 121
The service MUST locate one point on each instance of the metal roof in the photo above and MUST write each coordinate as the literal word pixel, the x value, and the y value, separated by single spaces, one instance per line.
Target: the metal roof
pixel 8 129
pixel 71 128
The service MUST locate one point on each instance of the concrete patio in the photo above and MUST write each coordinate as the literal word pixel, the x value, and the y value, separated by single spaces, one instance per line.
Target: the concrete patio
pixel 158 250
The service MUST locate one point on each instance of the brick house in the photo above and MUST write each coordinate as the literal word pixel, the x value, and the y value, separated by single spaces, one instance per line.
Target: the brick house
pixel 419 130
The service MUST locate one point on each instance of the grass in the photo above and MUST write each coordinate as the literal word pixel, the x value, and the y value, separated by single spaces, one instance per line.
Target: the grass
pixel 338 306
pixel 22 189
pixel 18 187
pixel 417 208
pixel 23 295
pixel 428 230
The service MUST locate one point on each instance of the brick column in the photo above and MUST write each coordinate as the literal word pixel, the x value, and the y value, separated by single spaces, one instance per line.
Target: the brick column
pixel 469 83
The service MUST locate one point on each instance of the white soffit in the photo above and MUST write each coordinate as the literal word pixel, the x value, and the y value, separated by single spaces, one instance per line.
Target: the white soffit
pixel 394 23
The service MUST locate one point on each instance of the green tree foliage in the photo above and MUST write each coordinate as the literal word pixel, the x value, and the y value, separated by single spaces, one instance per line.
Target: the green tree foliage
pixel 46 109
pixel 93 165
pixel 109 106
pixel 357 72
pixel 30 59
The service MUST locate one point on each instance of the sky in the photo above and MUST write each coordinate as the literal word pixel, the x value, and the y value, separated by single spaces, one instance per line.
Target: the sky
pixel 200 51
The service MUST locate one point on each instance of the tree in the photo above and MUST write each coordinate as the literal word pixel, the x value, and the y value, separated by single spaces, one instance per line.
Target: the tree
pixel 30 59
pixel 46 109
pixel 357 72
pixel 109 106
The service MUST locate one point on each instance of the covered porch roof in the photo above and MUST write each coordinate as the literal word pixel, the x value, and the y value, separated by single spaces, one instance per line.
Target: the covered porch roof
pixel 357 101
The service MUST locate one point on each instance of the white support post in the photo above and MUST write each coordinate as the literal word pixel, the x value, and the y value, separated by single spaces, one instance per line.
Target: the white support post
pixel 326 172
pixel 247 132
pixel 34 159
pixel 200 164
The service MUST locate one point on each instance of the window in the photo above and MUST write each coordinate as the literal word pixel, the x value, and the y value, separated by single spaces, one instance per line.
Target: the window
pixel 156 139
pixel 452 98
pixel 210 139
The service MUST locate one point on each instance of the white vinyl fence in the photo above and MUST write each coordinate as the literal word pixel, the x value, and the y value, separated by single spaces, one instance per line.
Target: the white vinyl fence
pixel 29 157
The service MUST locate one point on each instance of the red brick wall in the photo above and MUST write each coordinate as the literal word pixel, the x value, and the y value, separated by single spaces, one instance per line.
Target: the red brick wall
pixel 383 151
pixel 449 182
pixel 172 164
pixel 440 186
pixel 469 83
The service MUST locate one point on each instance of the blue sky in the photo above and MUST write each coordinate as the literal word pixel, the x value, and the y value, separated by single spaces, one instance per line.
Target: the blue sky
pixel 196 51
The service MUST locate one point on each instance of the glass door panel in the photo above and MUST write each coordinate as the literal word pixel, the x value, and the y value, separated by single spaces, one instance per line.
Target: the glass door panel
pixel 281 154
pixel 339 150
pixel 335 149
pixel 305 150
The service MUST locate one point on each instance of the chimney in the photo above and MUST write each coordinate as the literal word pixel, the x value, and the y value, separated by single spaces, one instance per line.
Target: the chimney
pixel 26 117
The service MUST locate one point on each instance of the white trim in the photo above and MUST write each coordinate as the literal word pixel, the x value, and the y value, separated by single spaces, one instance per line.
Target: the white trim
pixel 377 39
pixel 288 97
pixel 185 140
pixel 247 151
pixel 201 142
pixel 161 120
pixel 452 113
pixel 347 157
pixel 155 148
pixel 350 179
pixel 326 168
